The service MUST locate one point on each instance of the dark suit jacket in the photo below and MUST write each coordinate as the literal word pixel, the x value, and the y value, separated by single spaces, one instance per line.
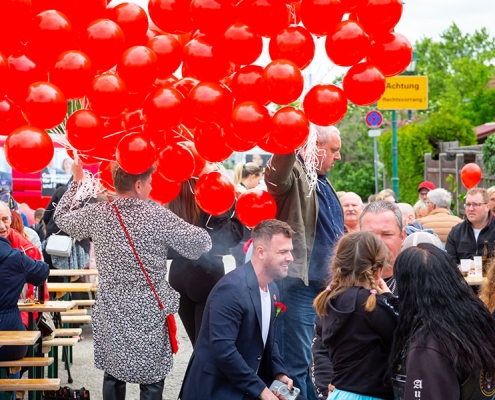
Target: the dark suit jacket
pixel 229 361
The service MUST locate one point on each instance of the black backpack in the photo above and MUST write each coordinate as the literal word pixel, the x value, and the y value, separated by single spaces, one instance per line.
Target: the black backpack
pixel 66 393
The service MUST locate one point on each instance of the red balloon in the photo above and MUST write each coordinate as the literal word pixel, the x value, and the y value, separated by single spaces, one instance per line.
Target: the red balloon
pixel 4 74
pixel 169 53
pixel 210 102
pixel 138 68
pixel 164 108
pixel 22 72
pixel 132 19
pixel 325 105
pixel 215 193
pixel 135 154
pixel 28 149
pixel 51 34
pixel 471 175
pixel 295 44
pixel 185 85
pixel 104 42
pixel 379 16
pixel 320 16
pixel 210 143
pixel 271 146
pixel 290 128
pixel 199 162
pixel 391 53
pixel 165 82
pixel 45 105
pixel 363 84
pixel 108 95
pixel 162 190
pixel 73 73
pixel 348 44
pixel 105 175
pixel 172 16
pixel 247 84
pixel 283 81
pixel 234 143
pixel 176 163
pixel 241 45
pixel 10 117
pixel 84 157
pixel 264 17
pixel 84 130
pixel 212 16
pixel 15 16
pixel 250 121
pixel 350 5
pixel 254 206
pixel 202 62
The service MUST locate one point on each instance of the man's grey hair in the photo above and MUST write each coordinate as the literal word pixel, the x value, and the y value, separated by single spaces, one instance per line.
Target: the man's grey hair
pixel 324 133
pixel 440 197
pixel 406 210
pixel 358 197
pixel 6 206
pixel 379 207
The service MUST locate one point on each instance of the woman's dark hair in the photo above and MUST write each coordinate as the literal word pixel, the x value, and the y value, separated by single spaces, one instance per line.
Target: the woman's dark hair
pixel 185 205
pixel 435 298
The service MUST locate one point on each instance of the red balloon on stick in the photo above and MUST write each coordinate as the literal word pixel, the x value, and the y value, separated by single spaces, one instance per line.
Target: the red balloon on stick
pixel 84 130
pixel 348 44
pixel 45 105
pixel 471 175
pixel 290 128
pixel 254 206
pixel 210 102
pixel 325 105
pixel 176 163
pixel 283 81
pixel 391 53
pixel 294 43
pixel 108 95
pixel 162 190
pixel 28 149
pixel 169 53
pixel 73 73
pixel 210 143
pixel 215 193
pixel 135 154
pixel 363 84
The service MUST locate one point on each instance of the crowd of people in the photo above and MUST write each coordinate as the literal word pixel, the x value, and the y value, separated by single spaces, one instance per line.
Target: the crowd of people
pixel 337 300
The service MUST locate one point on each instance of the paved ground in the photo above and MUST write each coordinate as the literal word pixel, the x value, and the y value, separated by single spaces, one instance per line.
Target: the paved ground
pixel 86 375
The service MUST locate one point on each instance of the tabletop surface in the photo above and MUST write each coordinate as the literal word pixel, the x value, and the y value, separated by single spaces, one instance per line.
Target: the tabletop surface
pixel 69 287
pixel 17 338
pixel 73 272
pixel 475 280
pixel 49 306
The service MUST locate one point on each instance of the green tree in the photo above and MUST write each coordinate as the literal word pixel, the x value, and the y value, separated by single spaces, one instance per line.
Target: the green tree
pixel 480 108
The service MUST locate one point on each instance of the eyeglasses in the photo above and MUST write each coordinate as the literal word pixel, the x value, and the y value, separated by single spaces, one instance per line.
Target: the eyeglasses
pixel 473 205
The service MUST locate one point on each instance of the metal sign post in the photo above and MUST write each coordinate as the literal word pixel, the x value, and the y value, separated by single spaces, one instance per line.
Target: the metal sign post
pixel 374 133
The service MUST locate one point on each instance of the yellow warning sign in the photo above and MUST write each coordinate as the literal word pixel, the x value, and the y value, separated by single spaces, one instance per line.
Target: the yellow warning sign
pixel 405 93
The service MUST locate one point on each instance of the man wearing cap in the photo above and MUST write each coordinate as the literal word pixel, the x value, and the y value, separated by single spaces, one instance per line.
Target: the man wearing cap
pixel 423 189
pixel 439 217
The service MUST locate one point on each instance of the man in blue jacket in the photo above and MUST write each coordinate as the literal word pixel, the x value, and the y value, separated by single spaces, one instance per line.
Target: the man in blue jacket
pixel 236 355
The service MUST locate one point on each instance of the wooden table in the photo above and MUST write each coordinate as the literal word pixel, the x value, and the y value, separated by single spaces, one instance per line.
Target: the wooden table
pixel 73 272
pixel 69 287
pixel 49 306
pixel 19 338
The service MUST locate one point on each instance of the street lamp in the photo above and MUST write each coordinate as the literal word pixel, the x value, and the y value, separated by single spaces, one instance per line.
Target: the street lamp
pixel 395 163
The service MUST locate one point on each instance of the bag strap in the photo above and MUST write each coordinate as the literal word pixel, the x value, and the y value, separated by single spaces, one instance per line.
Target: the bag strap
pixel 137 256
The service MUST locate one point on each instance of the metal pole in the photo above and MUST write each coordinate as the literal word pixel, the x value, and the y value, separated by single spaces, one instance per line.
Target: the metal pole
pixel 395 163
pixel 375 161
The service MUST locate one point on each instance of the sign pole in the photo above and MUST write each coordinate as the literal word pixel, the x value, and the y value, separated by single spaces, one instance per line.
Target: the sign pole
pixel 395 164
pixel 375 161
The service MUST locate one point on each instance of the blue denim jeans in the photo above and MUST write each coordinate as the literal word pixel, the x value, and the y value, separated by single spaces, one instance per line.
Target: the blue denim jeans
pixel 295 330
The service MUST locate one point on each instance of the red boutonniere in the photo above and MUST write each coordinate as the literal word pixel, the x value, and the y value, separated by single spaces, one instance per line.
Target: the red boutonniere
pixel 279 307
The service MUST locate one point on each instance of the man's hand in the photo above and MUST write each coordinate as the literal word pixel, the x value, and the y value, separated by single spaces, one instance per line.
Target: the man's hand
pixel 77 170
pixel 267 394
pixel 331 388
pixel 285 379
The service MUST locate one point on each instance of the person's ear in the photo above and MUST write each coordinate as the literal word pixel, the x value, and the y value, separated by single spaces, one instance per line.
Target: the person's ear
pixel 137 186
pixel 260 252
pixel 378 273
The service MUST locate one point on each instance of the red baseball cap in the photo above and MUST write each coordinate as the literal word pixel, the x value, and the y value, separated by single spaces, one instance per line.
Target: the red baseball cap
pixel 426 185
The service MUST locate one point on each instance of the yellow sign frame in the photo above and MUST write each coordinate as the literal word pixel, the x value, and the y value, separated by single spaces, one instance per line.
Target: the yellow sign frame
pixel 405 93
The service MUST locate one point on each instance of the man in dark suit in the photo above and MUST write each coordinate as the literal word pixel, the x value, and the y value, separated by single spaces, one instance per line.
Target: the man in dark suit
pixel 236 355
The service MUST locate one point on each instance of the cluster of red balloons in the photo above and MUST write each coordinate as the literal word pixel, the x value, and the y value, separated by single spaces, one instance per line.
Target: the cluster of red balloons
pixel 137 113
pixel 471 175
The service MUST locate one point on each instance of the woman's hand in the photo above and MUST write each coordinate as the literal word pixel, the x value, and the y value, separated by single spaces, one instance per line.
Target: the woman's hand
pixel 77 170
pixel 381 287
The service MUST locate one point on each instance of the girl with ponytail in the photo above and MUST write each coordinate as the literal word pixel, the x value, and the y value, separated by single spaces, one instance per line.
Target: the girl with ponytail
pixel 357 318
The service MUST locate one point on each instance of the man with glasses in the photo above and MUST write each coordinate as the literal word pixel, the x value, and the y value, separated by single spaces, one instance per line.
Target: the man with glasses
pixel 423 189
pixel 466 239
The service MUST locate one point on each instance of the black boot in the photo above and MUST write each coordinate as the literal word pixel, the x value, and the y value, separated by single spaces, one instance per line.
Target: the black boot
pixel 152 391
pixel 113 389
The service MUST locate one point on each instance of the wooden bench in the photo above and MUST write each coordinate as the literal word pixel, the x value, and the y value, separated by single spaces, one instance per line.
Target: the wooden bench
pixel 76 319
pixel 76 312
pixel 60 332
pixel 11 385
pixel 15 365
pixel 84 303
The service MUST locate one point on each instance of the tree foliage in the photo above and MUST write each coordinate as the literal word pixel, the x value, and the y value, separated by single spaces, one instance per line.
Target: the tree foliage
pixel 489 154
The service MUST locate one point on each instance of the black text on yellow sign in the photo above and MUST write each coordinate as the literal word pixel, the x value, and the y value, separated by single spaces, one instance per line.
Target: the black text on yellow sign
pixel 405 93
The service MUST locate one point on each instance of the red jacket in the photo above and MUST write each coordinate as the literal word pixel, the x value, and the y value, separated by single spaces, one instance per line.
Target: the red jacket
pixel 17 241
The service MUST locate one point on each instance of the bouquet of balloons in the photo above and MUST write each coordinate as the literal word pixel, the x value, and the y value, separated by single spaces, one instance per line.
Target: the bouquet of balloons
pixel 118 62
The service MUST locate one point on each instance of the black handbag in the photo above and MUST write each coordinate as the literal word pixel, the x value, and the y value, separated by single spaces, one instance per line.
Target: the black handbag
pixel 66 393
